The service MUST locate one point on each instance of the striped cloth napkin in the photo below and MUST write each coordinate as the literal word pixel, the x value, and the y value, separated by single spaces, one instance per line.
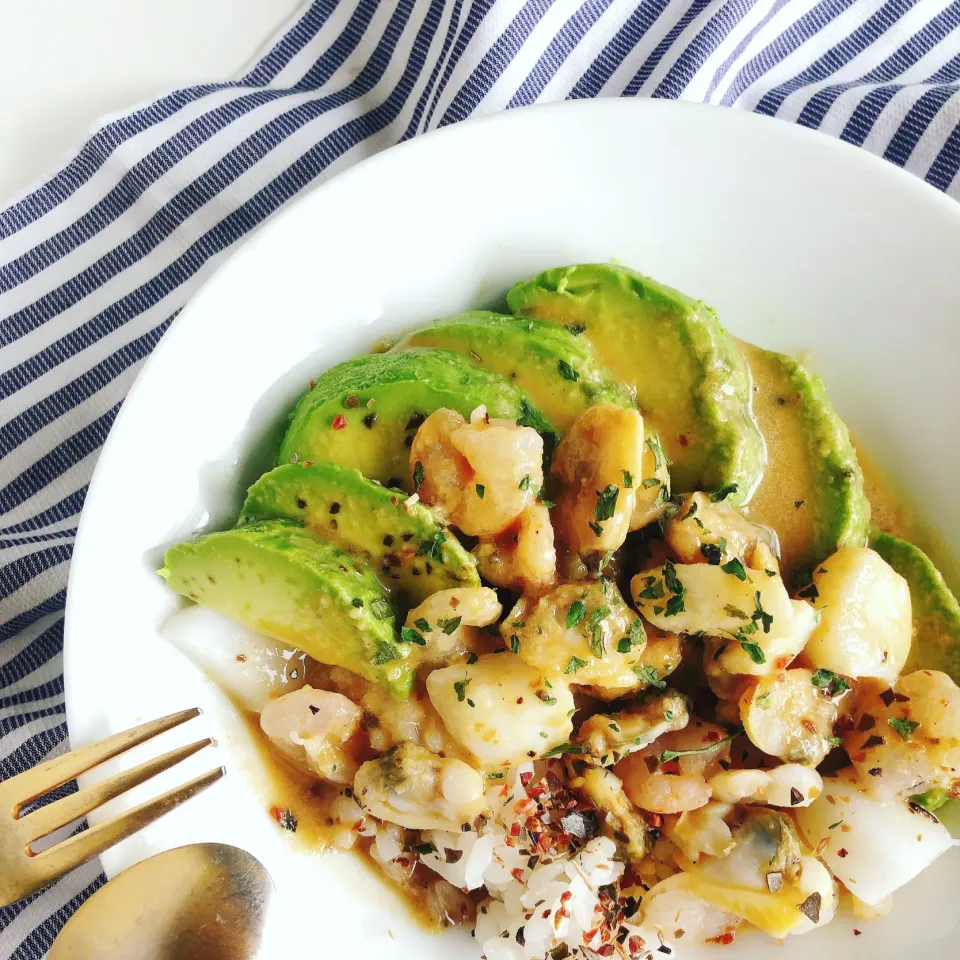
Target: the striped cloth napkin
pixel 96 262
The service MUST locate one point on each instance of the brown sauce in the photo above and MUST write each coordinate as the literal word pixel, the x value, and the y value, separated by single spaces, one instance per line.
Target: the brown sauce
pixel 783 499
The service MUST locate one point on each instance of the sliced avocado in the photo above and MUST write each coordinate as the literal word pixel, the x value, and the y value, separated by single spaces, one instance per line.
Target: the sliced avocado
pixel 936 613
pixel 364 413
pixel 813 494
pixel 405 545
pixel 280 579
pixel 689 377
pixel 554 367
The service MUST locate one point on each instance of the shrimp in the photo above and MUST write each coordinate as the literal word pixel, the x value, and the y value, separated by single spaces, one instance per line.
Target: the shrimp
pixel 906 740
pixel 703 531
pixel 680 784
pixel 448 622
pixel 598 466
pixel 523 558
pixel 312 727
pixel 480 475
pixel 416 789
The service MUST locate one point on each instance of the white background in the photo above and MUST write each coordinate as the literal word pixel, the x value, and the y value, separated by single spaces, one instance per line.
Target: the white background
pixel 65 63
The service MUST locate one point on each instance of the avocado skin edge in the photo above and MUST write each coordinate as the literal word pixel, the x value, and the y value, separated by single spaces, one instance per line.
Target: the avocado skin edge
pixel 735 451
pixel 842 510
pixel 936 612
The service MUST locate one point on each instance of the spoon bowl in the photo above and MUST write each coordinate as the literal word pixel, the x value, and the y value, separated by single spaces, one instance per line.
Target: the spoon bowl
pixel 203 900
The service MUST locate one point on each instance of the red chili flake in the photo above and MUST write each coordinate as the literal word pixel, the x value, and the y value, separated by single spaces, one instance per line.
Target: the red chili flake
pixel 546 913
pixel 536 791
pixel 517 874
pixel 565 896
pixel 339 422
pixel 842 852
pixel 857 933
pixel 533 824
pixel 635 944
pixel 313 383
pixel 525 778
pixel 525 808
pixel 843 724
pixel 875 771
pixel 241 658
pixel 682 440
pixel 712 736
pixel 515 830
pixel 543 843
pixel 605 951
pixel 724 938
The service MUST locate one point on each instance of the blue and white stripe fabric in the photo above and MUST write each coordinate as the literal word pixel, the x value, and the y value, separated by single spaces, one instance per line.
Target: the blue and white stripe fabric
pixel 95 262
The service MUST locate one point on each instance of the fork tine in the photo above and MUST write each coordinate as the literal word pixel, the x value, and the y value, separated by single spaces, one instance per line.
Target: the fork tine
pixel 52 774
pixel 58 859
pixel 56 814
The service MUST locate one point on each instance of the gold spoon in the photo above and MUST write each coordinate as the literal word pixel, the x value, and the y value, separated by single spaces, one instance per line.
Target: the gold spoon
pixel 205 900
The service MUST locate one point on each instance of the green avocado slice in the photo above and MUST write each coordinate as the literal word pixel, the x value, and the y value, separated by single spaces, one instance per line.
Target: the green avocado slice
pixel 364 413
pixel 689 377
pixel 278 578
pixel 936 613
pixel 813 495
pixel 554 367
pixel 405 545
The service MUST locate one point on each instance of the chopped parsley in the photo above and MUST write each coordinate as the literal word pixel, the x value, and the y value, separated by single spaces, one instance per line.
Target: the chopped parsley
pixel 460 687
pixel 567 371
pixel 574 665
pixel 481 490
pixel 409 635
pixel 659 456
pixel 606 502
pixel 652 589
pixel 525 483
pixel 673 584
pixel 627 479
pixel 422 625
pixel 830 682
pixel 607 557
pixel 449 626
pixel 357 602
pixel 731 611
pixel 381 609
pixel 417 476
pixel 577 611
pixel 903 726
pixel 651 482
pixel 386 652
pixel 760 615
pixel 563 748
pixel 577 328
pixel 650 675
pixel 723 492
pixel 433 547
pixel 514 643
pixel 735 568
pixel 763 701
pixel 669 755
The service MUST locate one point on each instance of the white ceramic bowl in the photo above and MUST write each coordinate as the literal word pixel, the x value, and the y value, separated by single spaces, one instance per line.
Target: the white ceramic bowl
pixel 800 242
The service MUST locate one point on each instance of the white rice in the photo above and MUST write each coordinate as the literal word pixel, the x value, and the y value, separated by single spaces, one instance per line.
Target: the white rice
pixel 544 906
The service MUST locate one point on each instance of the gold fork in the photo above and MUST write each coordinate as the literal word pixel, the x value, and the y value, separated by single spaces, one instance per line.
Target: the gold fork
pixel 22 871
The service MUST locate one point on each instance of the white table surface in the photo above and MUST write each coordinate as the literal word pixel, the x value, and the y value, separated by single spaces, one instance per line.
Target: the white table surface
pixel 64 63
